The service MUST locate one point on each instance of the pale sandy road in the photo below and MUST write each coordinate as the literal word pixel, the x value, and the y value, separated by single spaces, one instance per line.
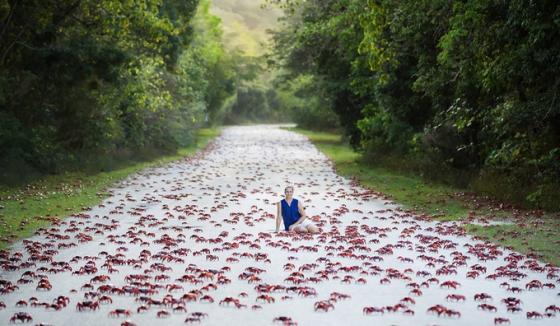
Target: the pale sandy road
pixel 244 174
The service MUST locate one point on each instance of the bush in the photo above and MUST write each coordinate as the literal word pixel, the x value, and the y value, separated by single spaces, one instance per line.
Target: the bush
pixel 315 117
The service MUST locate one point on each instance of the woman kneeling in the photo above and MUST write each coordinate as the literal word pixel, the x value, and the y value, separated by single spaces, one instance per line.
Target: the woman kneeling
pixel 293 214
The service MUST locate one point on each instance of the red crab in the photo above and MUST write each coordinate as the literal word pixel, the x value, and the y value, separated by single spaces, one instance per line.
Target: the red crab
pixel 100 279
pixel 337 296
pixel 162 314
pixel 323 305
pixel 265 298
pixel 482 297
pixel 180 308
pixel 515 289
pixel 455 297
pixel 513 309
pixel 408 312
pixel 228 300
pixel 408 300
pixel 450 284
pixel 162 277
pixel 119 312
pixel 189 320
pixel 91 305
pixel 61 300
pixel 437 309
pixel 189 297
pixel 452 313
pixel 534 315
pixel 21 316
pixel 284 320
pixel 207 298
pixel 552 308
pixel 198 314
pixel 239 305
pixel 501 321
pixel 142 308
pixel 104 299
pixel 173 287
pixel 534 284
pixel 487 307
pixel 127 323
pixel 372 310
pixel 44 284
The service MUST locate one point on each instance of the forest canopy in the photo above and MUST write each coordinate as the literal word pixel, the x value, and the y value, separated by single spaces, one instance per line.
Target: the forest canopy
pixel 466 90
pixel 463 92
pixel 81 79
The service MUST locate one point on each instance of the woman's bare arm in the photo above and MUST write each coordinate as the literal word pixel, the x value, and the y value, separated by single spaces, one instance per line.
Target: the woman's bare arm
pixel 301 210
pixel 302 213
pixel 278 214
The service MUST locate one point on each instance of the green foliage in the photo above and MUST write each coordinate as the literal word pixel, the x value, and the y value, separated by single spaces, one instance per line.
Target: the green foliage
pixel 255 100
pixel 81 79
pixel 385 132
pixel 462 87
pixel 312 109
pixel 249 105
pixel 506 64
pixel 320 39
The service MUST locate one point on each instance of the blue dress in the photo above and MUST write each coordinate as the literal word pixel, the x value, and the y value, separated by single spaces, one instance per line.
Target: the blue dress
pixel 290 213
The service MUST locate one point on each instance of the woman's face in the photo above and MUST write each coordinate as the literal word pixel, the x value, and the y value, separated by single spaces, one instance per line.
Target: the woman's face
pixel 289 192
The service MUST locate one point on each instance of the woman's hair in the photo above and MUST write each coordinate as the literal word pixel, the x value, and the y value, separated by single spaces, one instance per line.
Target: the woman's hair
pixel 288 187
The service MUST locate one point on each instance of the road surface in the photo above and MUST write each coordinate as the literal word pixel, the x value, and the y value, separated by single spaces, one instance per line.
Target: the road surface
pixel 172 239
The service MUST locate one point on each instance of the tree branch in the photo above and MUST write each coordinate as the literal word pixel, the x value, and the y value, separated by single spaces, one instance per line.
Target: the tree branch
pixel 8 19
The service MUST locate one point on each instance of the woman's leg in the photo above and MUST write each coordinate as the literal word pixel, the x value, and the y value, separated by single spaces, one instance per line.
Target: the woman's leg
pixel 312 229
pixel 297 228
pixel 309 226
pixel 301 229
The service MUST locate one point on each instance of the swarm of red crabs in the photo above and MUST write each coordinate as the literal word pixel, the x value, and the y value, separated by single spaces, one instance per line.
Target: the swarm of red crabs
pixel 185 245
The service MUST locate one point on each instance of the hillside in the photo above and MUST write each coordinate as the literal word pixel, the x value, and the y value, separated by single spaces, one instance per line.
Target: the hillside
pixel 245 24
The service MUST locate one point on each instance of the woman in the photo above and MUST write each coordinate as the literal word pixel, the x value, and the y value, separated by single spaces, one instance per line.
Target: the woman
pixel 293 214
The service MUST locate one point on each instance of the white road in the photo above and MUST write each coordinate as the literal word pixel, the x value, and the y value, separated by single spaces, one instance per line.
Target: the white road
pixel 206 225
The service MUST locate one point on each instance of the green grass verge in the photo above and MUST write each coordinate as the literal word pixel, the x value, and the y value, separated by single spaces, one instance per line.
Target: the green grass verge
pixel 25 209
pixel 529 235
pixel 542 240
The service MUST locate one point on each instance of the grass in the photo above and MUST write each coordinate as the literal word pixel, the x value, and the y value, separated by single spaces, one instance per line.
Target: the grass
pixel 530 232
pixel 542 239
pixel 24 209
